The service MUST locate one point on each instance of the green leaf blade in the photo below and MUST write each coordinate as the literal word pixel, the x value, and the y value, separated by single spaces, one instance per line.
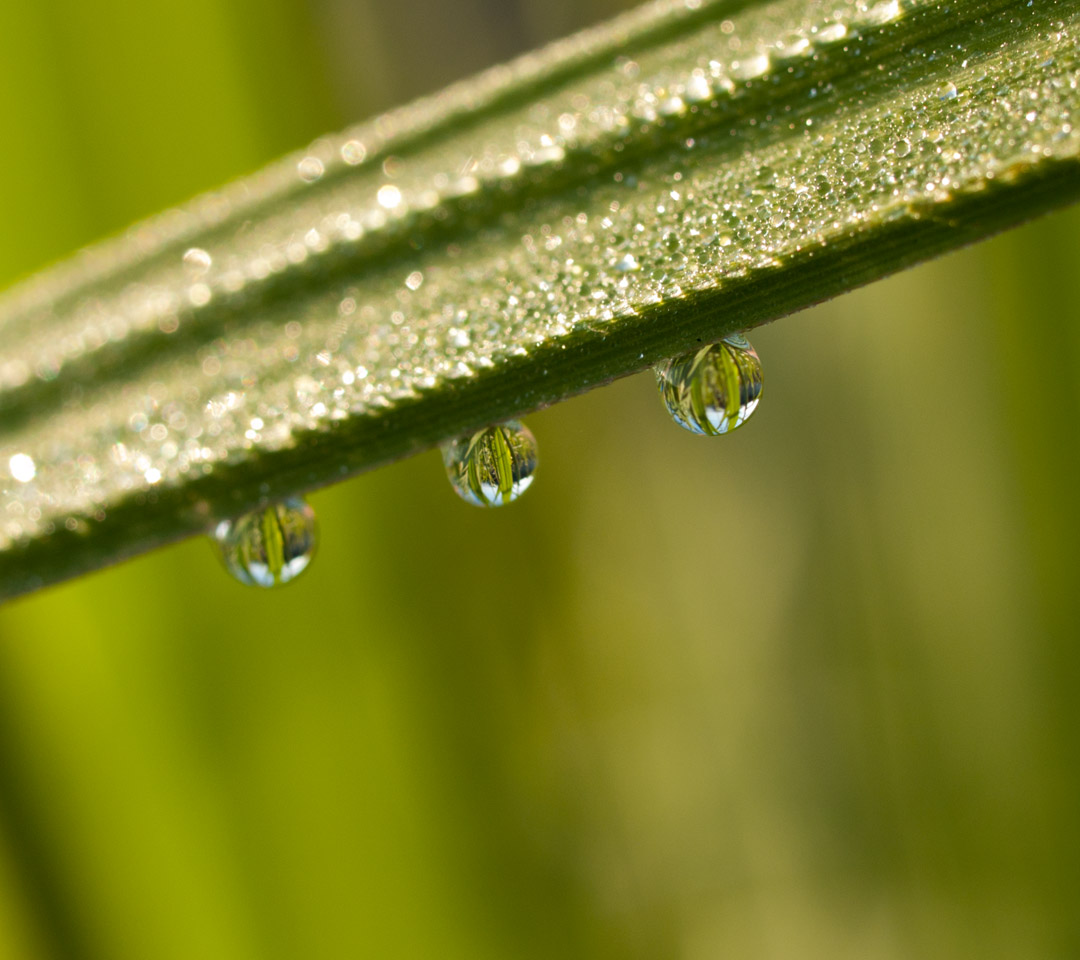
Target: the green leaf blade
pixel 558 223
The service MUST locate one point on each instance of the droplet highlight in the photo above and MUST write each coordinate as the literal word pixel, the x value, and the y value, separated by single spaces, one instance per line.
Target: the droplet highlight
pixel 712 390
pixel 197 262
pixel 22 467
pixel 269 546
pixel 388 196
pixel 492 467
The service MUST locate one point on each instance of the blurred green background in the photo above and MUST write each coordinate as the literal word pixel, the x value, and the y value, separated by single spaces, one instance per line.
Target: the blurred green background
pixel 806 691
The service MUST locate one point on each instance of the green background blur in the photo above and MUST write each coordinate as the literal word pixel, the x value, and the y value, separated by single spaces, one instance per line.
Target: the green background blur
pixel 806 691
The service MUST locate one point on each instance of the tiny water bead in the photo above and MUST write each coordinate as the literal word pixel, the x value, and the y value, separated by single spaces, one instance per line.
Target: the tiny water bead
pixel 197 261
pixel 712 390
pixel 310 169
pixel 269 546
pixel 492 467
pixel 22 467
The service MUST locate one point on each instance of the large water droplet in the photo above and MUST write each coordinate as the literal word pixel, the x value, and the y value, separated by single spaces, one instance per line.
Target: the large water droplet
pixel 269 546
pixel 494 466
pixel 712 390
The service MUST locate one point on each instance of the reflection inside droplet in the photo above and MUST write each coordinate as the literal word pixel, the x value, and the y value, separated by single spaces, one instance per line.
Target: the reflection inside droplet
pixel 269 546
pixel 494 466
pixel 712 390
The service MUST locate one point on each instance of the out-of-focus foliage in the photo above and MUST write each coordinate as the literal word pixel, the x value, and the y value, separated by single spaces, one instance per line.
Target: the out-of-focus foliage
pixel 808 690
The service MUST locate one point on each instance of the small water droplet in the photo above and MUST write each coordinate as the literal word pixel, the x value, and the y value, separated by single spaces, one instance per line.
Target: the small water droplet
pixel 626 263
pixel 310 169
pixel 946 90
pixel 22 467
pixel 269 546
pixel 671 106
pixel 882 12
pixel 459 336
pixel 831 33
pixel 712 390
pixel 698 89
pixel 750 68
pixel 197 262
pixel 353 152
pixel 494 466
pixel 388 196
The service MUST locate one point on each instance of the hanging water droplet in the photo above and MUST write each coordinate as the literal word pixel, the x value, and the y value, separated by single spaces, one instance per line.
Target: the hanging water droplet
pixel 269 546
pixel 494 466
pixel 714 389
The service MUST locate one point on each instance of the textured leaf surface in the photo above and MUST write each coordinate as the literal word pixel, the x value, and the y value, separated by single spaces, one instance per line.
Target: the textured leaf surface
pixel 678 174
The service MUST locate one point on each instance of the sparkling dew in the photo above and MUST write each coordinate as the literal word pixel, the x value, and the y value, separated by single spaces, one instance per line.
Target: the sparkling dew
pixel 268 546
pixel 712 390
pixel 492 467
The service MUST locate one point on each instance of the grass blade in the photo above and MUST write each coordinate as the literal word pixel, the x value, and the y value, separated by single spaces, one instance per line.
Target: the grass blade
pixel 681 173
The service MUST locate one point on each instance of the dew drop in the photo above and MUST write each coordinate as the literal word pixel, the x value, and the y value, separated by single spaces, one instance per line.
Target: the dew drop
pixel 494 466
pixel 196 262
pixel 714 389
pixel 698 89
pixel 310 169
pixel 22 467
pixel 946 90
pixel 388 196
pixel 882 12
pixel 269 546
pixel 751 68
pixel 671 107
pixel 353 152
pixel 832 32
